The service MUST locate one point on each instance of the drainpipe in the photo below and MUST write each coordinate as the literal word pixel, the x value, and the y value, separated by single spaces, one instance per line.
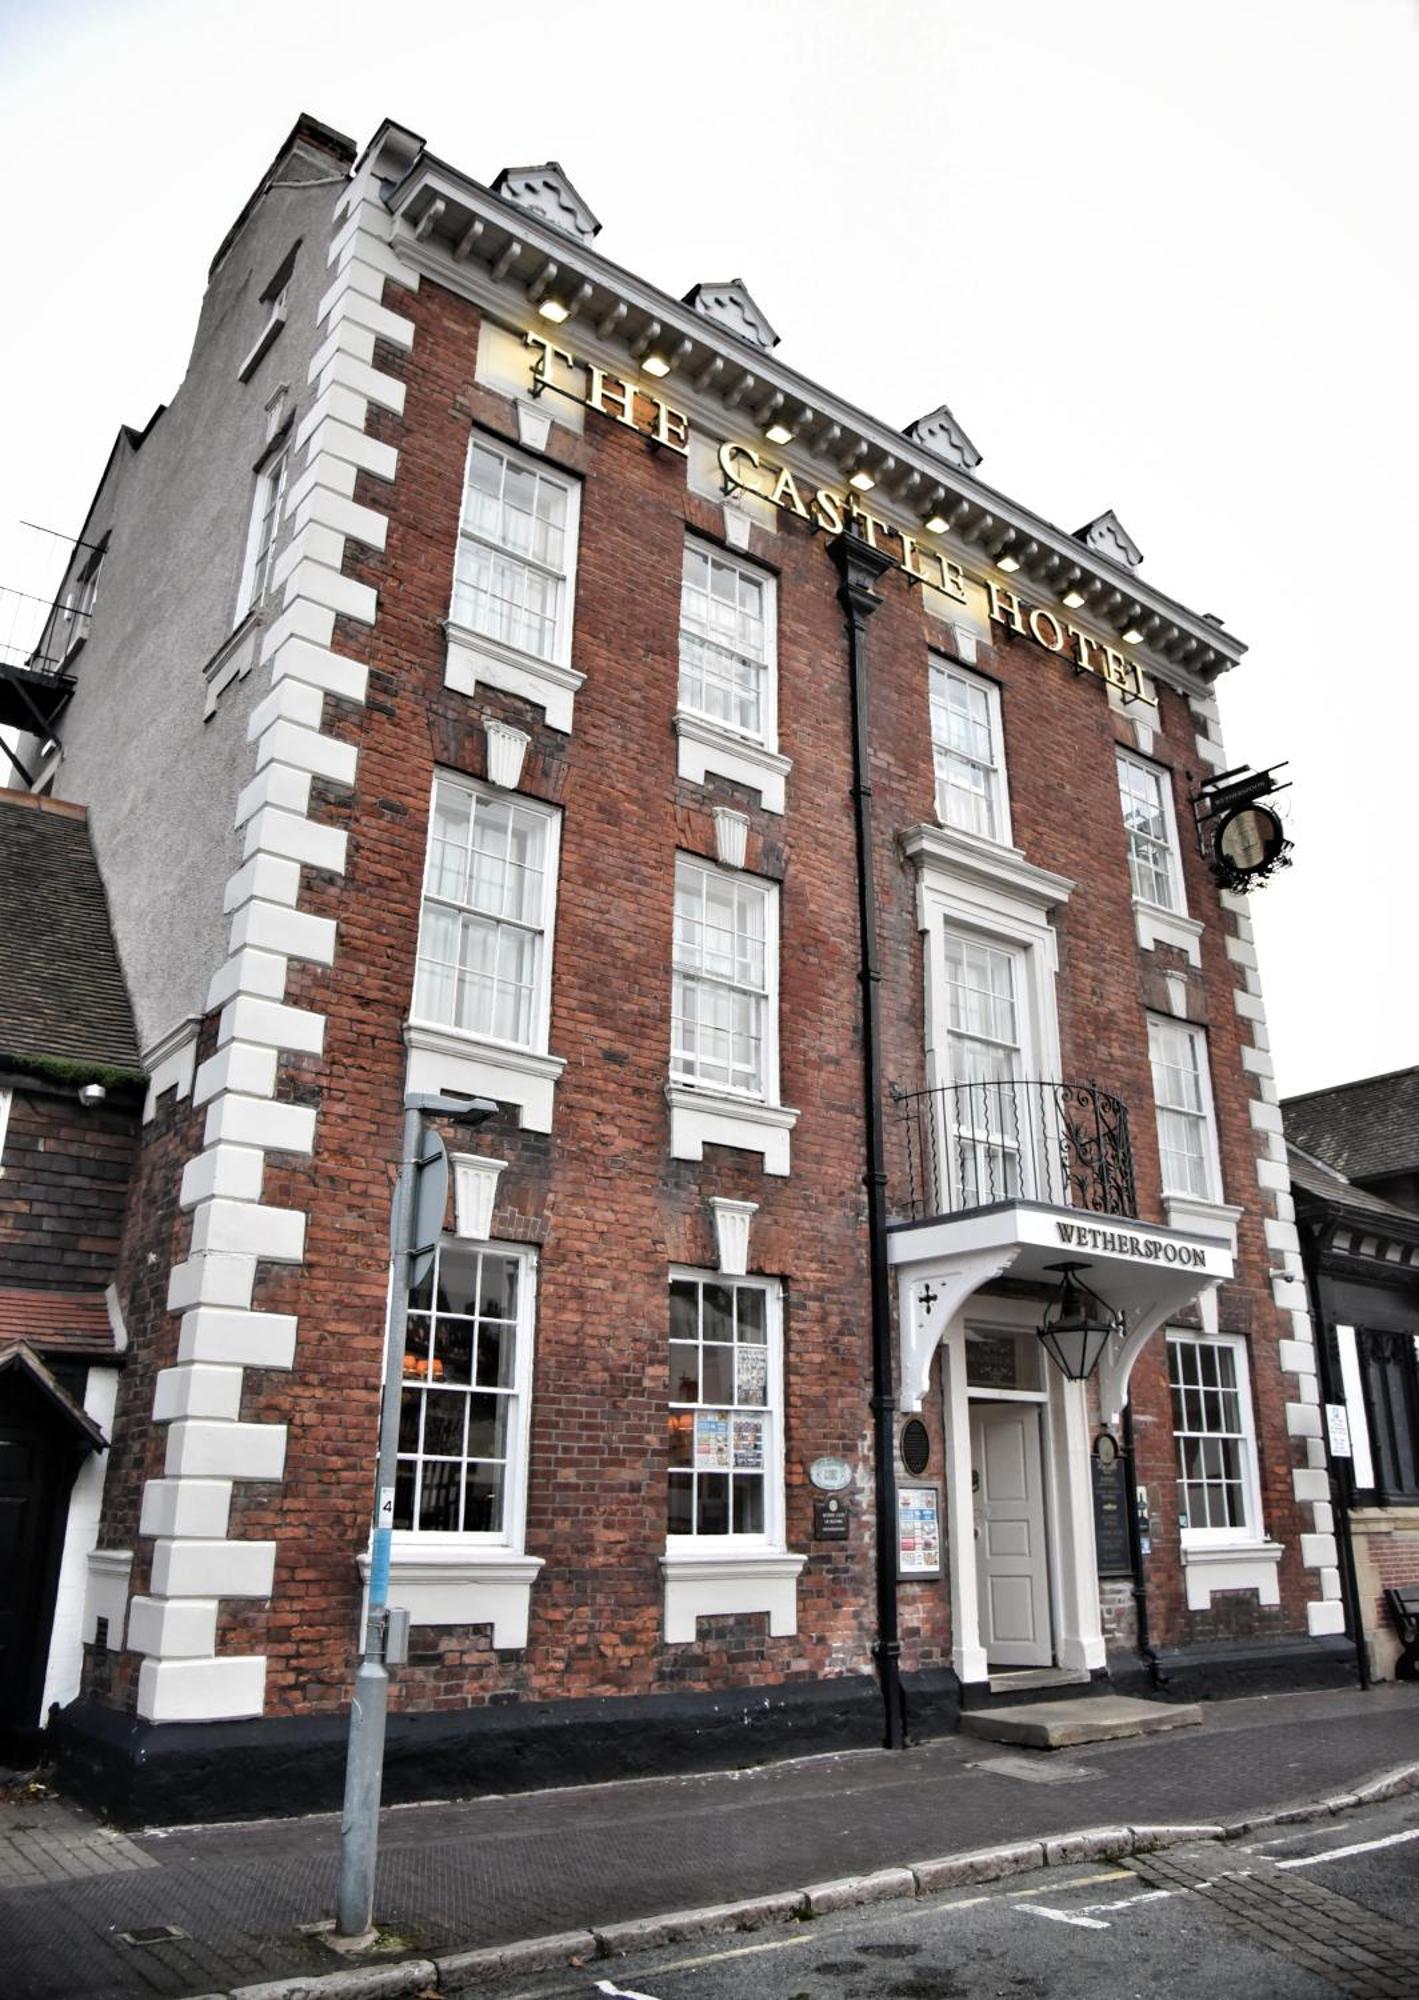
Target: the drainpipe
pixel 1135 1555
pixel 860 566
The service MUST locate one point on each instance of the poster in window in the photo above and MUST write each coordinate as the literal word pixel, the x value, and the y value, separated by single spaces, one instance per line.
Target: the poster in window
pixel 918 1531
pixel 751 1374
pixel 748 1444
pixel 711 1440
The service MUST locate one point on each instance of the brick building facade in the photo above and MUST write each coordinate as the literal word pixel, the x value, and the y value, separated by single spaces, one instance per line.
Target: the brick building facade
pixel 71 1094
pixel 519 648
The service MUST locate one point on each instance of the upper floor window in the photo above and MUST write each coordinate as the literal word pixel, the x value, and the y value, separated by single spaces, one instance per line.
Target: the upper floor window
pixel 966 748
pixel 986 1138
pixel 726 1451
pixel 268 502
pixel 727 642
pixel 516 553
pixel 724 1018
pixel 1151 832
pixel 485 930
pixel 1182 1092
pixel 1218 1496
pixel 463 1409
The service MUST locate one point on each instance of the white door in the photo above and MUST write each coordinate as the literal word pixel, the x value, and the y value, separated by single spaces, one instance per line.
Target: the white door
pixel 1012 1580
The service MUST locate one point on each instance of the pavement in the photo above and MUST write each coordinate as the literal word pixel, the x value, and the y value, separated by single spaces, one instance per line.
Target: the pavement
pixel 473 1896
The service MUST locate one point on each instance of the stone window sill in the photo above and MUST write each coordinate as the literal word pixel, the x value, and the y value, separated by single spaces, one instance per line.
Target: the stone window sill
pixel 1199 1217
pixel 705 747
pixel 443 1059
pixel 473 659
pixel 1213 1566
pixel 446 1581
pixel 730 1585
pixel 1156 926
pixel 700 1117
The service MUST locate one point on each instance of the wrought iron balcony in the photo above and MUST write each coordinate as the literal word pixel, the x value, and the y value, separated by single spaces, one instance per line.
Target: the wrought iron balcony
pixel 969 1145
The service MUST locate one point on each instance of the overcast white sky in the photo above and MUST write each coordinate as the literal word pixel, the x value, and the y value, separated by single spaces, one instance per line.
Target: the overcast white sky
pixel 1156 257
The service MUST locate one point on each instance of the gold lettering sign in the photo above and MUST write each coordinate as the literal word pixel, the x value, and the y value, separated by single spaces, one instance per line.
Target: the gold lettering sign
pixel 746 471
pixel 624 402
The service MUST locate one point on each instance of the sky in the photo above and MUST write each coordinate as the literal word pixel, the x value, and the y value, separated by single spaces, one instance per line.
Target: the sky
pixel 1155 257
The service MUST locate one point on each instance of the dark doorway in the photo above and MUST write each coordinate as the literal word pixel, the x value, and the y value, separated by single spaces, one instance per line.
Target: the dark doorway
pixel 39 1455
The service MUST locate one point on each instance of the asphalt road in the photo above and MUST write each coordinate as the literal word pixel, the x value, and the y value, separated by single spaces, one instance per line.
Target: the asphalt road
pixel 1324 1912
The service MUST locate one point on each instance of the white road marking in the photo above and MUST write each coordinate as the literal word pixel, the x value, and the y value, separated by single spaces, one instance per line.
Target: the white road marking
pixel 1341 1853
pixel 1062 1917
pixel 621 1992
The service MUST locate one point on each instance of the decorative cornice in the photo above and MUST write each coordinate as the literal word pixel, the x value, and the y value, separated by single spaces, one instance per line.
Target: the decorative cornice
pixel 477 241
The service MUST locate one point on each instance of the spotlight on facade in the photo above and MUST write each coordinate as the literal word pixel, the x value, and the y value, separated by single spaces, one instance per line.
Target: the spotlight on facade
pixel 778 432
pixel 91 1094
pixel 1076 1326
pixel 1073 597
pixel 656 364
pixel 862 481
pixel 554 310
pixel 1131 634
pixel 936 522
pixel 1007 563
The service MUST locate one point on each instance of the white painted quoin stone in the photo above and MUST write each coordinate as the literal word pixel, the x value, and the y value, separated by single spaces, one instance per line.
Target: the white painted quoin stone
pixel 195 1561
pixel 1325 1614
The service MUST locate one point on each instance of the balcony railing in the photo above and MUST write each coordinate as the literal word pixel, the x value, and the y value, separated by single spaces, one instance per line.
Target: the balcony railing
pixel 970 1144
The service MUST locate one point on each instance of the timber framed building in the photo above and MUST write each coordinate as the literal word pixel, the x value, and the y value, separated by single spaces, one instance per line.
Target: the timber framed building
pixel 492 668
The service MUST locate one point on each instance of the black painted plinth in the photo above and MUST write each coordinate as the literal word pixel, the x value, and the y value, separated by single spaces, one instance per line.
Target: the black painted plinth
pixel 144 1773
pixel 1237 1667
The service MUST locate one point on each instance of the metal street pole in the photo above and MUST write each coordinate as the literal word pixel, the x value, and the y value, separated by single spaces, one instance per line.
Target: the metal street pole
pixel 364 1761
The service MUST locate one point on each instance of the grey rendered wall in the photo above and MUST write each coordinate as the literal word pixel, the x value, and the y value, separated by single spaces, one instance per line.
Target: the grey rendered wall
pixel 160 779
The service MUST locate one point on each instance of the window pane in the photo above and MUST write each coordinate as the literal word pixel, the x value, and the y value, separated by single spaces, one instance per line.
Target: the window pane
pixel 722 1450
pixel 724 641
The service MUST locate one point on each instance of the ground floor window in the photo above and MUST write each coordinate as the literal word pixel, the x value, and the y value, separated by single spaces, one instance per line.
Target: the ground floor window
pixel 1389 1374
pixel 463 1409
pixel 1212 1422
pixel 725 1420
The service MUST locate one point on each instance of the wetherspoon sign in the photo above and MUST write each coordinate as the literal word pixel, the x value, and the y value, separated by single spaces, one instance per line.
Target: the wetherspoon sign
pixel 746 470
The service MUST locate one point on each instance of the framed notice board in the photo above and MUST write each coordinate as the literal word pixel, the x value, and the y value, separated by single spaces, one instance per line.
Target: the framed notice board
pixel 918 1530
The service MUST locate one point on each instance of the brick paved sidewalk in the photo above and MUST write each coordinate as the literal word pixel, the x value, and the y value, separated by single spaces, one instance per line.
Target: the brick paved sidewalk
pixel 494 1870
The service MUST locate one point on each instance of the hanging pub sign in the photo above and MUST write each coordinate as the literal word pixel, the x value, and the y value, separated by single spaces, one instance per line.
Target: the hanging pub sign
pixel 1241 838
pixel 745 470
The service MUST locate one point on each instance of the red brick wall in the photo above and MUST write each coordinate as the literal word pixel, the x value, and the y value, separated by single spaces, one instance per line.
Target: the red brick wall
pixel 63 1183
pixel 601 1194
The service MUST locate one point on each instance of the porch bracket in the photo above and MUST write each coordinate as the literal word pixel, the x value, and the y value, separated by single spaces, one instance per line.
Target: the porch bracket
pixel 1117 1364
pixel 929 1297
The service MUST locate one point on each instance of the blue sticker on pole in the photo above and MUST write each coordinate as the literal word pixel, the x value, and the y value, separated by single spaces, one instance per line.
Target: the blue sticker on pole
pixel 379 1568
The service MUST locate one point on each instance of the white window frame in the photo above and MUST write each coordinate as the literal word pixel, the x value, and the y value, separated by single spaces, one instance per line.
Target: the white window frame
pixel 539 468
pixel 984 1138
pixel 1159 774
pixel 736 879
pixel 997 794
pixel 269 495
pixel 766 736
pixel 771 1541
pixel 545 932
pixel 1206 1118
pixel 512 1535
pixel 6 1098
pixel 1247 1533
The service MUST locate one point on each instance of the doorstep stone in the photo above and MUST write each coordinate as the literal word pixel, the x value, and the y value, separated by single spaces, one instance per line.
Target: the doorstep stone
pixel 1057 1725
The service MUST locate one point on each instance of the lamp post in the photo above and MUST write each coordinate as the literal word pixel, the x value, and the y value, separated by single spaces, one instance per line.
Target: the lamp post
pixel 420 1195
pixel 1076 1327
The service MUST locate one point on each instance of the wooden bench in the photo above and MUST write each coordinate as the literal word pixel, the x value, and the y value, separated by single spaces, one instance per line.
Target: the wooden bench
pixel 1404 1610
